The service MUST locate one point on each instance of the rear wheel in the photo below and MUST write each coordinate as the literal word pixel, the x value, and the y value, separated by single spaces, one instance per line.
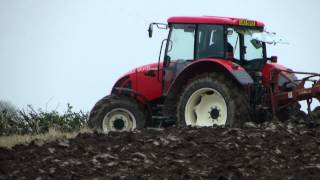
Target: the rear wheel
pixel 211 99
pixel 114 113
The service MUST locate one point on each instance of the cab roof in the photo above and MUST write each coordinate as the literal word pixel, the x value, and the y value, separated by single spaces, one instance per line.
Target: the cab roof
pixel 214 20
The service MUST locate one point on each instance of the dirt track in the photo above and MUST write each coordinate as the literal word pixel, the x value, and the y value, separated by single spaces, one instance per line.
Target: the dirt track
pixel 271 152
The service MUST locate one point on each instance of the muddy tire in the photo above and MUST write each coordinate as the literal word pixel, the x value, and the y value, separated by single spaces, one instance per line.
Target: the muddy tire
pixel 113 113
pixel 212 99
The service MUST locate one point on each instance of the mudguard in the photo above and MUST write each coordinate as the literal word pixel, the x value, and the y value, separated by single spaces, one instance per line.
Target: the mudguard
pixel 213 65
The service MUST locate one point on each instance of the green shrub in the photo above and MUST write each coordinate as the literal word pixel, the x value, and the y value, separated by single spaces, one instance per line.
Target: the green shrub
pixel 31 121
pixel 9 119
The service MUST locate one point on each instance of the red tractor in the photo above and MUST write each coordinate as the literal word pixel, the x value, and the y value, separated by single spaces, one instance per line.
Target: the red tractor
pixel 215 71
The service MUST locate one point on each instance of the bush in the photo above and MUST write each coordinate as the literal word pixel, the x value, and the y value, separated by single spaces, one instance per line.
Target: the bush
pixel 9 118
pixel 30 121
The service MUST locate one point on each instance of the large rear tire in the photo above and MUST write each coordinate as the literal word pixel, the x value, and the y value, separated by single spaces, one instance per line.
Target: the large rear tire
pixel 211 99
pixel 113 113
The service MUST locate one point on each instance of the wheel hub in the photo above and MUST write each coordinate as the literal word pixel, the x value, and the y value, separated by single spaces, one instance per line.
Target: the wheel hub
pixel 119 119
pixel 214 113
pixel 118 124
pixel 206 107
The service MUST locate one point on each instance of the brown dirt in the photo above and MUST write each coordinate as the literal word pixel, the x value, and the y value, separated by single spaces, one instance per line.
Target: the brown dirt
pixel 272 151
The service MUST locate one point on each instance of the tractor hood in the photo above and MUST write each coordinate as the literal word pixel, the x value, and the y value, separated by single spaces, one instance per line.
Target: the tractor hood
pixel 132 74
pixel 144 68
pixel 141 81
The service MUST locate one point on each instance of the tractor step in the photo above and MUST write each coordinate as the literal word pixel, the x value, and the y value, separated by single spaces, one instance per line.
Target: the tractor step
pixel 162 121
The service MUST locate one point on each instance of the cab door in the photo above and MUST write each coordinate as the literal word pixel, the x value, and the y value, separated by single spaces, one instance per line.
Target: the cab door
pixel 179 52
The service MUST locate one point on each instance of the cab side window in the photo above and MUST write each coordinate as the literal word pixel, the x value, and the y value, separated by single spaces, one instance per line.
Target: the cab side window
pixel 234 41
pixel 253 48
pixel 210 42
pixel 181 43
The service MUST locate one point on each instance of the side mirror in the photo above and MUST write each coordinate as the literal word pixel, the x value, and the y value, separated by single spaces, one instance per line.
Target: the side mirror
pixel 257 44
pixel 150 30
pixel 274 59
pixel 229 32
pixel 159 26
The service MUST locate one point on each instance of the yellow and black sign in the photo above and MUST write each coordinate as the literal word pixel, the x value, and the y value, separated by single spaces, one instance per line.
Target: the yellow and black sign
pixel 245 22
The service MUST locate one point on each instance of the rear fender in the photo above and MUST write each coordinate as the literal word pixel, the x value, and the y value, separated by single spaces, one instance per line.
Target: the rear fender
pixel 229 68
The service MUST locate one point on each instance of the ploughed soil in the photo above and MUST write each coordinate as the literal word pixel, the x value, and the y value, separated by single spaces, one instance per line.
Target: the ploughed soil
pixel 266 151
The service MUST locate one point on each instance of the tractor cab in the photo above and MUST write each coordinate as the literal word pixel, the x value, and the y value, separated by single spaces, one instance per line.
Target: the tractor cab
pixel 221 39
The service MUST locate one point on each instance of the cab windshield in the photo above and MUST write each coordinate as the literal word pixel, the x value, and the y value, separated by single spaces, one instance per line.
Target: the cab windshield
pixel 244 45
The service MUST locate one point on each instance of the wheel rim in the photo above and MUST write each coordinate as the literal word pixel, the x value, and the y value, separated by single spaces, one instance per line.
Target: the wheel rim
pixel 206 107
pixel 119 119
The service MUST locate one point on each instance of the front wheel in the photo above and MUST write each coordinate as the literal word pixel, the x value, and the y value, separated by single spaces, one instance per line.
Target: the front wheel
pixel 114 113
pixel 211 99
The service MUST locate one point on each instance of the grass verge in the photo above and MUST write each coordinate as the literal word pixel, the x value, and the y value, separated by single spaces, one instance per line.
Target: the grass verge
pixel 51 135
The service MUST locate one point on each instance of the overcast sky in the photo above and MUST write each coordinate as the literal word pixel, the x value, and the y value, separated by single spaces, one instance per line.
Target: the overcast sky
pixel 54 52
